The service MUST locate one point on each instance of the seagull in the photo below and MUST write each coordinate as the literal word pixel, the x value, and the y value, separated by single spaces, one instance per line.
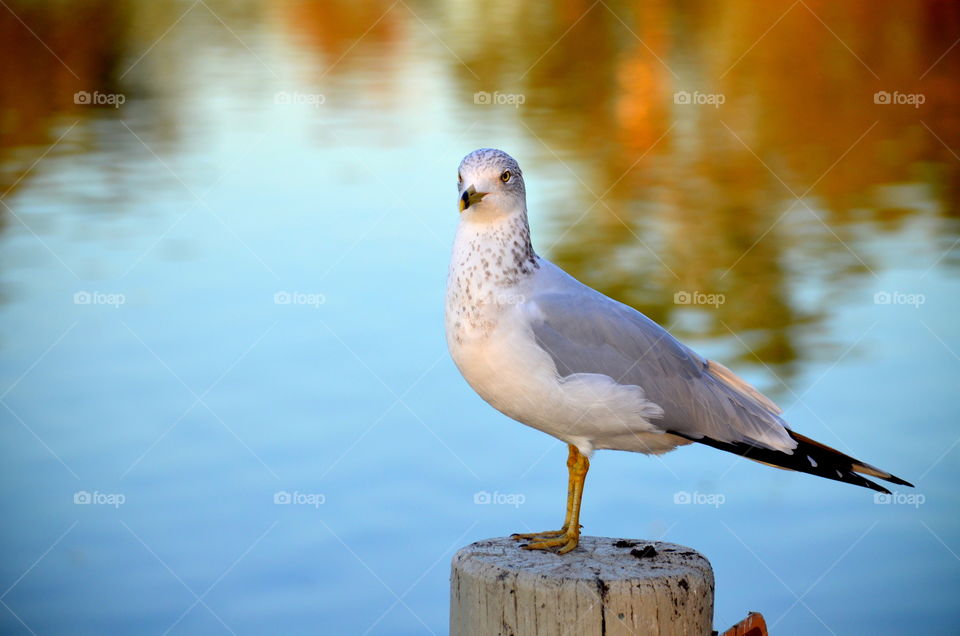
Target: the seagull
pixel 559 356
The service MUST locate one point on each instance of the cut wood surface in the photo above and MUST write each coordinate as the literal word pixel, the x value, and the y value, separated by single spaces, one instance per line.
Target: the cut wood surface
pixel 603 587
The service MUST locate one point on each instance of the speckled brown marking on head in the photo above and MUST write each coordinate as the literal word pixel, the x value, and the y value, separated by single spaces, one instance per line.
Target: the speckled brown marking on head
pixel 490 156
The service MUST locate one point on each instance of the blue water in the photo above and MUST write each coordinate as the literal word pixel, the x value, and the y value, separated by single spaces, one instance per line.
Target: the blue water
pixel 185 400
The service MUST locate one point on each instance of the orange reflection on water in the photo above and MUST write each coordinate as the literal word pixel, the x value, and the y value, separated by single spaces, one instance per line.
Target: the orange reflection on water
pixel 797 167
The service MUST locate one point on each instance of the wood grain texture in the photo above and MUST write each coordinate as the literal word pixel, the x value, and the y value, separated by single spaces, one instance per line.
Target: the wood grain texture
pixel 608 587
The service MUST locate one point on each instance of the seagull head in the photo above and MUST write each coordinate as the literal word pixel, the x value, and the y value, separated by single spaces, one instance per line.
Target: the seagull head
pixel 490 184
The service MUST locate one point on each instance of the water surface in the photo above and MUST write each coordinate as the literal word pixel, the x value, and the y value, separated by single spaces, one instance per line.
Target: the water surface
pixel 228 290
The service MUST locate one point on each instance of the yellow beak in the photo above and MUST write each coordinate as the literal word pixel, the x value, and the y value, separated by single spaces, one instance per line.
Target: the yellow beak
pixel 469 197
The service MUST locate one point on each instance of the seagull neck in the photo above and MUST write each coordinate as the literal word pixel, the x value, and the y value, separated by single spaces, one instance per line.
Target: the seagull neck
pixel 491 261
pixel 498 249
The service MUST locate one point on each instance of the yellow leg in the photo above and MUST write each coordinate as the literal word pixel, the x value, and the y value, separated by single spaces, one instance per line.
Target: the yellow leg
pixel 569 536
pixel 571 462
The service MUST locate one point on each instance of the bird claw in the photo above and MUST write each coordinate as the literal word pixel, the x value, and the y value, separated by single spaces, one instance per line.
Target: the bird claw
pixel 546 534
pixel 565 542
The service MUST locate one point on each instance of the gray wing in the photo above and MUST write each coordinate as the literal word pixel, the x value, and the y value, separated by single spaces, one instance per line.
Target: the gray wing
pixel 586 332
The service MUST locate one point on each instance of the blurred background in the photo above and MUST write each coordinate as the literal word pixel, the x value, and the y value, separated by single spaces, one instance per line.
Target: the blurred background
pixel 224 232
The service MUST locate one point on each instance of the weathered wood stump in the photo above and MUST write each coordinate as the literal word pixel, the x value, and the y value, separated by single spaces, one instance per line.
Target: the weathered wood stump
pixel 604 587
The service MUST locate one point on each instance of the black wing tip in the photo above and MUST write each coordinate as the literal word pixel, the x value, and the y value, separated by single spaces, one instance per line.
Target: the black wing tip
pixel 855 479
pixel 893 479
pixel 821 461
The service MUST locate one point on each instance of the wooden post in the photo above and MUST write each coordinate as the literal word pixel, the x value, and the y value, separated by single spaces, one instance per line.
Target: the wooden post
pixel 605 587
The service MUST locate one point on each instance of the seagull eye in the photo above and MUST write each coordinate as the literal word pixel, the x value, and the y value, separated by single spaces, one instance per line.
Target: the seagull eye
pixel 505 176
pixel 459 178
